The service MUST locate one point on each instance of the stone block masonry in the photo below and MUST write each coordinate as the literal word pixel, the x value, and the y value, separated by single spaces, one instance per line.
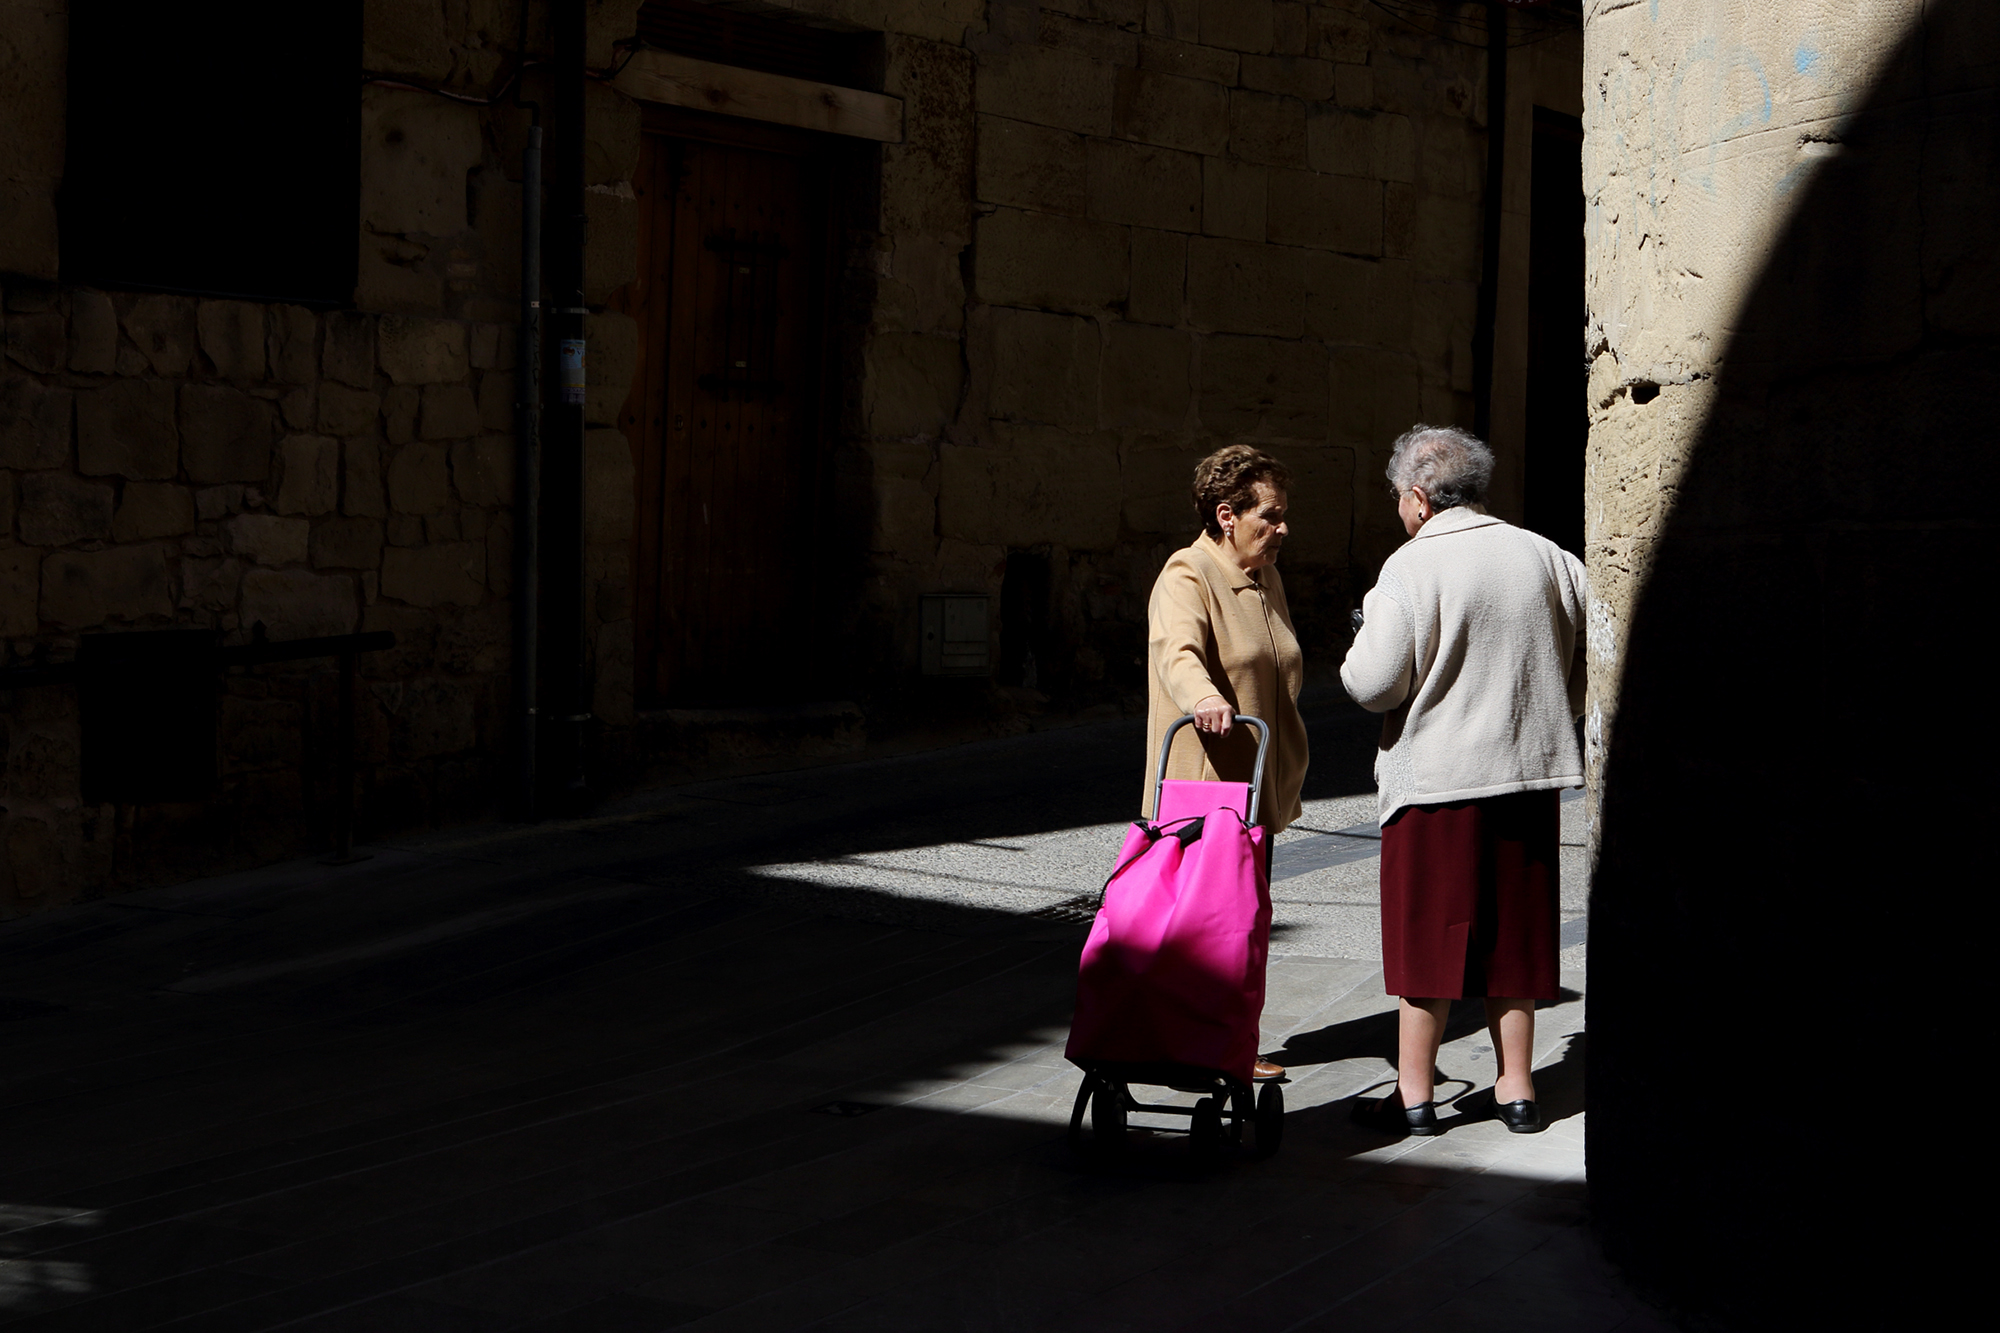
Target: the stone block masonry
pixel 1115 236
pixel 154 476
pixel 175 460
pixel 1193 224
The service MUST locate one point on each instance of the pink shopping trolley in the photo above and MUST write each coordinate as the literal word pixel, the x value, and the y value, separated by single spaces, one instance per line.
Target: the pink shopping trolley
pixel 1171 984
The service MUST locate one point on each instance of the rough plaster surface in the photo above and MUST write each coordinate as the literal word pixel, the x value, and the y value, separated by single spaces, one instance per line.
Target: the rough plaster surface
pixel 1705 125
pixel 1795 310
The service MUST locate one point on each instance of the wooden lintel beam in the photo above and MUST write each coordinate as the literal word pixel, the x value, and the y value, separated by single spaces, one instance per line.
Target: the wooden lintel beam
pixel 661 76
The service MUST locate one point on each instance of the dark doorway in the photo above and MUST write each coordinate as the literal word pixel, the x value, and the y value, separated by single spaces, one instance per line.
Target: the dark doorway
pixel 1558 420
pixel 1025 656
pixel 725 416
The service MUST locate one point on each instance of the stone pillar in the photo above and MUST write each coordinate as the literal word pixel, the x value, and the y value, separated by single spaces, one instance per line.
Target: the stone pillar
pixel 1793 312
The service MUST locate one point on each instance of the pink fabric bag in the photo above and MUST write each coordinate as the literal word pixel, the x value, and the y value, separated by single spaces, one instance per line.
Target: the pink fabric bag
pixel 1178 800
pixel 1174 967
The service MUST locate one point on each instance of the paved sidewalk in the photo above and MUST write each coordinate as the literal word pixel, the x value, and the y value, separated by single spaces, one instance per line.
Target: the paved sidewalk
pixel 767 1054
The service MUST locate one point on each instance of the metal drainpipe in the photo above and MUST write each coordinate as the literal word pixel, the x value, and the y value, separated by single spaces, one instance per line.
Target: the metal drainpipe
pixel 1486 318
pixel 566 687
pixel 528 480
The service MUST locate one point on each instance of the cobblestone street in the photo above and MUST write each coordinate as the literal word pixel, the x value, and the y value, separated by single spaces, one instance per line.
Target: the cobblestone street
pixel 584 1076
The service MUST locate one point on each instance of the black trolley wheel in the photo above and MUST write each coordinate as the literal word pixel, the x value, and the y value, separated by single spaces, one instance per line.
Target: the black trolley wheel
pixel 1270 1119
pixel 1107 1119
pixel 1205 1130
pixel 1242 1114
pixel 1076 1111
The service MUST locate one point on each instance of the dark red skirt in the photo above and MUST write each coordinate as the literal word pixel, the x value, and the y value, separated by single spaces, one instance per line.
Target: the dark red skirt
pixel 1469 903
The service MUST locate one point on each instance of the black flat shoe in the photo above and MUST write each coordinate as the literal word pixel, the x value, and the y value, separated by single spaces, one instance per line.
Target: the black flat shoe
pixel 1519 1117
pixel 1420 1120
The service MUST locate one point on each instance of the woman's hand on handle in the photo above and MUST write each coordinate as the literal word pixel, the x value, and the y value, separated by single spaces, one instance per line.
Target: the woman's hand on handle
pixel 1214 715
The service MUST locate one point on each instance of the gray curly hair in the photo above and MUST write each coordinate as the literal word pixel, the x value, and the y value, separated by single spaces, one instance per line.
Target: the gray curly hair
pixel 1453 466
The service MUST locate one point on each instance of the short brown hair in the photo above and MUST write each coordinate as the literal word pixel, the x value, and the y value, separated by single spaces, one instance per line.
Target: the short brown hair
pixel 1229 476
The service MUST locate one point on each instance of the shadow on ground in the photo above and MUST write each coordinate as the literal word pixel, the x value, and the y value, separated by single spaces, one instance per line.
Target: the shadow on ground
pixel 568 1080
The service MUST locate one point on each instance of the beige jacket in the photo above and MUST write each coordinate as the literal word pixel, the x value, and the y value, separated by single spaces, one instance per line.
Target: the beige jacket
pixel 1217 630
pixel 1472 642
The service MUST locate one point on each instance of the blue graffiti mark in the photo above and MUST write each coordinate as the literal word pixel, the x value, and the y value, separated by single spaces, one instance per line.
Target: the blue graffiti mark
pixel 1703 50
pixel 1741 58
pixel 1654 12
pixel 1725 64
pixel 1805 58
pixel 1791 180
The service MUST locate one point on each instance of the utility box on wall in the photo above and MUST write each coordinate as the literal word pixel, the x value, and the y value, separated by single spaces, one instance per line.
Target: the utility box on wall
pixel 956 630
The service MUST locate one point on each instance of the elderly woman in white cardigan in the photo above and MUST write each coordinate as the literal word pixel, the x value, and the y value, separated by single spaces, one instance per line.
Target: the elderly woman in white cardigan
pixel 1472 643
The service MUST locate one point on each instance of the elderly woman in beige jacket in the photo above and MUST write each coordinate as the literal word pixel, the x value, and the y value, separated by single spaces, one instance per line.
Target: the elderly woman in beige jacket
pixel 1472 643
pixel 1221 642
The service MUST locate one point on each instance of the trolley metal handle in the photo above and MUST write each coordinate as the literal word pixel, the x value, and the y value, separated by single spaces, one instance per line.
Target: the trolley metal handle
pixel 1256 774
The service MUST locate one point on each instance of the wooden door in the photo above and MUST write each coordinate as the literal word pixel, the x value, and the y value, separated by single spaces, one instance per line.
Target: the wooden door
pixel 725 413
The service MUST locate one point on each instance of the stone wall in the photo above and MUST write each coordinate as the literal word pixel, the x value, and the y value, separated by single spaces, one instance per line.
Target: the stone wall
pixel 34 44
pixel 167 460
pixel 1704 129
pixel 1117 234
pixel 173 461
pixel 1124 234
pixel 1794 214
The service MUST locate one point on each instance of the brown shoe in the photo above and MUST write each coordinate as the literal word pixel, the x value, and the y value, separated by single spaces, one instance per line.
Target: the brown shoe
pixel 1265 1069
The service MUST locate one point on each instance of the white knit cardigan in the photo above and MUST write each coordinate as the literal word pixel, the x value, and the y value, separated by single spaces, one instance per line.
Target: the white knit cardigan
pixel 1472 642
